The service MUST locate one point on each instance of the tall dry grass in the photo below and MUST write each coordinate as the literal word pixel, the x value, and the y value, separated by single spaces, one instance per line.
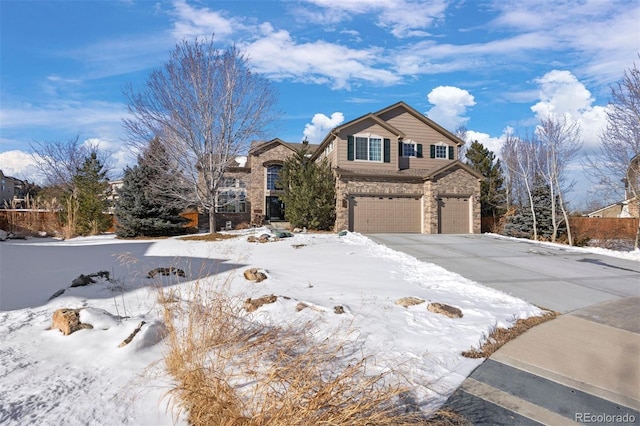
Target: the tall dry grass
pixel 232 370
pixel 30 216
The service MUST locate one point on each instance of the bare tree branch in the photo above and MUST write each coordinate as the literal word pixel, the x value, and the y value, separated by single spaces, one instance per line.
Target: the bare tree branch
pixel 205 107
pixel 560 144
pixel 59 161
pixel 617 162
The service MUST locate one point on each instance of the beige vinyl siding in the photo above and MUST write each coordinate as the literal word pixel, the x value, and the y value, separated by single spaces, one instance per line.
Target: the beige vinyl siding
pixel 421 133
pixel 363 128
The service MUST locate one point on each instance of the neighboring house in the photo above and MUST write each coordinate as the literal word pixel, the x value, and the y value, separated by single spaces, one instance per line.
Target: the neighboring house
pixel 629 207
pixel 614 210
pixel 113 193
pixel 10 188
pixel 396 171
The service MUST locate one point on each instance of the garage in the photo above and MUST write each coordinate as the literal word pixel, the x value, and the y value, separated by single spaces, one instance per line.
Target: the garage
pixel 453 215
pixel 377 214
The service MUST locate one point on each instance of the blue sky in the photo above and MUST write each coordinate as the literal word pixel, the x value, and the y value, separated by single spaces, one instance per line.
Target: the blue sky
pixel 487 65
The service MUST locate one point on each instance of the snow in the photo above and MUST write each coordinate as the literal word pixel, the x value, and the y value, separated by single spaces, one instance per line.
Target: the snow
pixel 86 378
pixel 627 255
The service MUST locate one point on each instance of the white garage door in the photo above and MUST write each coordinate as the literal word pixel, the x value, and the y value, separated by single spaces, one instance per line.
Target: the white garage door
pixel 369 214
pixel 453 215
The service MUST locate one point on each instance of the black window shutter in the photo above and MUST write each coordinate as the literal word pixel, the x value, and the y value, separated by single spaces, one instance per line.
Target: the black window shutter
pixel 419 150
pixel 350 148
pixel 432 151
pixel 451 149
pixel 387 150
pixel 399 149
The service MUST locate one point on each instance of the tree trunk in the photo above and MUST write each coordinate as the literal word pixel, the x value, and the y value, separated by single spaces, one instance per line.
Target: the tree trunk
pixel 212 220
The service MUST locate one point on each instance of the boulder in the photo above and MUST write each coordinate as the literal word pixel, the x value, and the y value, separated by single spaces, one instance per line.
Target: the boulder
pixel 165 272
pixel 446 310
pixel 57 293
pixel 409 301
pixel 251 305
pixel 3 235
pixel 83 280
pixel 338 309
pixel 68 321
pixel 254 274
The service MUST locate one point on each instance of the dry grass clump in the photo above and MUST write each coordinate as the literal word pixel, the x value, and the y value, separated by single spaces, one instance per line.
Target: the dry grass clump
pixel 231 370
pixel 214 236
pixel 500 336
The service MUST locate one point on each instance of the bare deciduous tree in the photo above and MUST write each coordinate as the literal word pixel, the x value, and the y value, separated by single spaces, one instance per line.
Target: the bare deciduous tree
pixel 59 161
pixel 520 157
pixel 620 142
pixel 204 106
pixel 560 144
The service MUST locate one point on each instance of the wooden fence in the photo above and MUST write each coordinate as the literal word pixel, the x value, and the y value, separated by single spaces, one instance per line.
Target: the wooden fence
pixel 604 228
pixel 583 228
pixel 34 221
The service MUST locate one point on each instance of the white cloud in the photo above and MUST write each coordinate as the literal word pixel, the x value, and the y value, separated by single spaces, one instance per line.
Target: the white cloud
pixel 63 114
pixel 450 105
pixel 403 18
pixel 561 93
pixel 320 125
pixel 192 22
pixel 277 55
pixel 21 165
pixel 492 143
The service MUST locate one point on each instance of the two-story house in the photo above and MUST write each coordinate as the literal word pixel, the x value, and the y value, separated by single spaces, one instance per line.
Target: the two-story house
pixel 10 189
pixel 396 171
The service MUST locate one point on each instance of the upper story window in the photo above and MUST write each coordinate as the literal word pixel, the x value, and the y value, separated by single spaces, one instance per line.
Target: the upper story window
pixel 368 148
pixel 273 172
pixel 231 182
pixel 410 148
pixel 442 151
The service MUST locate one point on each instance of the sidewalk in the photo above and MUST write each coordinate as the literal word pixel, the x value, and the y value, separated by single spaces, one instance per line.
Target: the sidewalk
pixel 580 368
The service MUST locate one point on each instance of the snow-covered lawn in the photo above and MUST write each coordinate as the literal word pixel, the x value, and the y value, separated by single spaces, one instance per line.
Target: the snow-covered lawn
pixel 85 378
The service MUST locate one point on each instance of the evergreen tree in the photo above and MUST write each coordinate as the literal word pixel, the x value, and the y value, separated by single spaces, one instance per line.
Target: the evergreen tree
pixel 492 189
pixel 140 211
pixel 521 224
pixel 91 185
pixel 308 191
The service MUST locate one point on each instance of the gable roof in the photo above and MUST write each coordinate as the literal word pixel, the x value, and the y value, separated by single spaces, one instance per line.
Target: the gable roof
pixel 455 165
pixel 260 147
pixel 375 117
pixel 426 120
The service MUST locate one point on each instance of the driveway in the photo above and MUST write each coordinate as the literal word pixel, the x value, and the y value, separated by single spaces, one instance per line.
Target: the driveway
pixel 551 277
pixel 582 367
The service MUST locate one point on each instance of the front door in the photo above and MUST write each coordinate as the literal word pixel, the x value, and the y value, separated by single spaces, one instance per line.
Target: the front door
pixel 274 208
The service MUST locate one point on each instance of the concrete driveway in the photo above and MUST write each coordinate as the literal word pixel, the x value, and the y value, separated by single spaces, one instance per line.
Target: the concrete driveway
pixel 581 368
pixel 551 277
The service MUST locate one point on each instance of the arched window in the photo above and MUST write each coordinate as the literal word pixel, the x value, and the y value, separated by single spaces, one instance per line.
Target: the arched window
pixel 272 176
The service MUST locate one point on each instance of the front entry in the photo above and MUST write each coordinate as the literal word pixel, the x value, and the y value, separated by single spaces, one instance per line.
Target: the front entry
pixel 274 208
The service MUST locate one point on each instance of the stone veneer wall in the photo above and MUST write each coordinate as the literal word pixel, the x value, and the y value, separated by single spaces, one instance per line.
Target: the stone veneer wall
pixel 257 185
pixel 454 182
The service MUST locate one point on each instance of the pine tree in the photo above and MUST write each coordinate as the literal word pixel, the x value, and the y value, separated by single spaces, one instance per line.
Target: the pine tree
pixel 308 191
pixel 91 185
pixel 492 189
pixel 141 212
